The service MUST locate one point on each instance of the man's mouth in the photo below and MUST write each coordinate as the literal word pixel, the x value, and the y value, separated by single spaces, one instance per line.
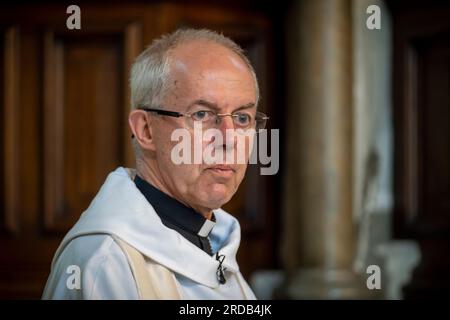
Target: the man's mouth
pixel 222 170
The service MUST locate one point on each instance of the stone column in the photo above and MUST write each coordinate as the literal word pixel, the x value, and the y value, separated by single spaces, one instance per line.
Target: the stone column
pixel 319 233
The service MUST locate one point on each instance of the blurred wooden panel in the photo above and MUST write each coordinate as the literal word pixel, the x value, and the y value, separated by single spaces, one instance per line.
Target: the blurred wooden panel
pixel 434 115
pixel 3 133
pixel 9 88
pixel 85 118
pixel 422 141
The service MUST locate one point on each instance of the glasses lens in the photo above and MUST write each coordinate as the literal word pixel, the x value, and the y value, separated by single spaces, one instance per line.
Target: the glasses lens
pixel 204 117
pixel 261 120
pixel 242 120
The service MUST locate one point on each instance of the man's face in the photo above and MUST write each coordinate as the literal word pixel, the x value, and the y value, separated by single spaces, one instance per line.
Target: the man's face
pixel 204 76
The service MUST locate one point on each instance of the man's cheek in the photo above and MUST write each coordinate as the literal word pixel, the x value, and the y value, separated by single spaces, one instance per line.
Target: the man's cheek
pixel 241 169
pixel 190 173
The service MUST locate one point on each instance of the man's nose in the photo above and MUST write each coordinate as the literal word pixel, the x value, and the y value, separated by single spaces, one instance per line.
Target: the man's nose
pixel 226 123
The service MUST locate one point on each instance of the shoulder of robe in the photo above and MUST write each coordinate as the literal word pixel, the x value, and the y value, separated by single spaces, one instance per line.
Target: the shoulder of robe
pixel 103 267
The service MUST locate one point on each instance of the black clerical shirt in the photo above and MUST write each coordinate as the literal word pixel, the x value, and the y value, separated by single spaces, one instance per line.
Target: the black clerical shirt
pixel 175 215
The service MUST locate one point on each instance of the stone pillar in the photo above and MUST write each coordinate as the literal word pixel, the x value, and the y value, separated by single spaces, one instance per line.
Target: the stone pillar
pixel 319 233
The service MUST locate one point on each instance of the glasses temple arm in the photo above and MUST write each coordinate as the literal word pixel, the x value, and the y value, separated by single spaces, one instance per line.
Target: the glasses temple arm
pixel 163 112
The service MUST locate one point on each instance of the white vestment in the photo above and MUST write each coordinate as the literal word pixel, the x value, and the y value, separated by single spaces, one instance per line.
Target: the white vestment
pixel 120 211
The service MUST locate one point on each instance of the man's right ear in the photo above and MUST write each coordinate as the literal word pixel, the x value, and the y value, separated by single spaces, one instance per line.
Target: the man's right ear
pixel 141 127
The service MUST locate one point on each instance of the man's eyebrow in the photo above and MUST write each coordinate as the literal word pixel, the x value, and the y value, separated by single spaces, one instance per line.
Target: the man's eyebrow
pixel 245 106
pixel 204 103
pixel 214 106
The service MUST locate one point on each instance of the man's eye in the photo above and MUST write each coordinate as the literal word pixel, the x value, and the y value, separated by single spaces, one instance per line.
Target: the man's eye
pixel 201 115
pixel 243 118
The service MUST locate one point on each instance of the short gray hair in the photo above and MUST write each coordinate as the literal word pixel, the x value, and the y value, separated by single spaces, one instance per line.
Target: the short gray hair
pixel 150 72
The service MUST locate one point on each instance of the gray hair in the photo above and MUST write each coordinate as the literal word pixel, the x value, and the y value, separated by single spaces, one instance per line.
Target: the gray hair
pixel 149 80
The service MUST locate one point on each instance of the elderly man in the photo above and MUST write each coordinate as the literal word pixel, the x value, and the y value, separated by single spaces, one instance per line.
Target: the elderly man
pixel 157 232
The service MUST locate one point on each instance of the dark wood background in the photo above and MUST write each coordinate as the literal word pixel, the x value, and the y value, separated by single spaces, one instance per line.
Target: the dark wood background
pixel 421 70
pixel 64 104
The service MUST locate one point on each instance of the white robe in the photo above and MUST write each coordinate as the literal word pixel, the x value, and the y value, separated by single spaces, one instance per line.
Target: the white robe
pixel 120 210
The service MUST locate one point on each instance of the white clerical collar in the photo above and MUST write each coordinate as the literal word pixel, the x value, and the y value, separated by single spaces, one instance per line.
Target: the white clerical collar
pixel 208 225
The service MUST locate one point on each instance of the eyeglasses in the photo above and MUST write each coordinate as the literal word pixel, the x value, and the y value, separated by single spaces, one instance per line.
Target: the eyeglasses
pixel 210 119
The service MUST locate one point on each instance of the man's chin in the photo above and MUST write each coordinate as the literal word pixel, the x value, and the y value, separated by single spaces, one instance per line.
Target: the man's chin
pixel 216 201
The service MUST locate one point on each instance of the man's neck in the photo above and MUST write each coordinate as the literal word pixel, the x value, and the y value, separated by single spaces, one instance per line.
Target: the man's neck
pixel 145 171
